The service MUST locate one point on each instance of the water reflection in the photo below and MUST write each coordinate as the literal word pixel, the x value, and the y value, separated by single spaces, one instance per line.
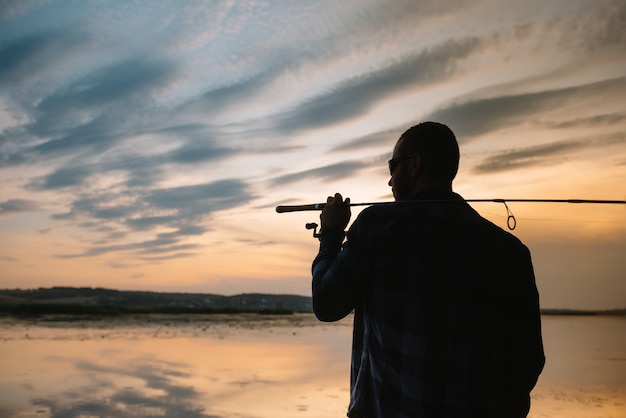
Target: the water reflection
pixel 252 368
pixel 155 389
pixel 102 382
pixel 174 369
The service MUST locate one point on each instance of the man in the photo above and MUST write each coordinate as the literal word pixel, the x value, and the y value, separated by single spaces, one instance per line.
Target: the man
pixel 446 310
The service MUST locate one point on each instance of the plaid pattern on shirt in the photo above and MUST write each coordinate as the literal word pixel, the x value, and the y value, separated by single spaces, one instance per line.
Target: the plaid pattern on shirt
pixel 446 311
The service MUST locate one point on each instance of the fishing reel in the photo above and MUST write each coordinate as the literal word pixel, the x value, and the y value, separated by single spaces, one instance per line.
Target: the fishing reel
pixel 313 226
pixel 317 234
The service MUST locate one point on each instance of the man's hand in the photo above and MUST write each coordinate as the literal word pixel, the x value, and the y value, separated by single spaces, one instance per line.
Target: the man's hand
pixel 336 214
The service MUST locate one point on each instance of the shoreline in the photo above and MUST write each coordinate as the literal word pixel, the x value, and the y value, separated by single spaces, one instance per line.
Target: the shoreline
pixel 77 313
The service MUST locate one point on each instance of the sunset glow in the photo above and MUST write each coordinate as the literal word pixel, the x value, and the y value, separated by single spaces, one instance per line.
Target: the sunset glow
pixel 145 145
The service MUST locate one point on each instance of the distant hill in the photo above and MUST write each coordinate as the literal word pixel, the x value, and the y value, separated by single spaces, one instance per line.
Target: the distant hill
pixel 87 300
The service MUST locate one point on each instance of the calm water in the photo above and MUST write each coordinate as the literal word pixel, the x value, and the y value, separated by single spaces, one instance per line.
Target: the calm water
pixel 256 367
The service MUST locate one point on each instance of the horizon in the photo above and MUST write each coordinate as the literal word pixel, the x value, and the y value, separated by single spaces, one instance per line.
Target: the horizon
pixel 543 308
pixel 146 145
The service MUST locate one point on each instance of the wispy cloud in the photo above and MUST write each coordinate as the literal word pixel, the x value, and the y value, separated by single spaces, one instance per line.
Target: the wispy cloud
pixel 339 170
pixel 374 140
pixel 475 117
pixel 187 209
pixel 62 177
pixel 17 205
pixel 546 154
pixel 21 58
pixel 97 110
pixel 200 199
pixel 354 96
pixel 601 120
pixel 188 203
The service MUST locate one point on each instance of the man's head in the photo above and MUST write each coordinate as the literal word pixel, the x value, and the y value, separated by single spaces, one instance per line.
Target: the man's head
pixel 426 156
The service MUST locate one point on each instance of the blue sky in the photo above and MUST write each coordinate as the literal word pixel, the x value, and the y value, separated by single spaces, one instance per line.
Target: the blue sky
pixel 144 144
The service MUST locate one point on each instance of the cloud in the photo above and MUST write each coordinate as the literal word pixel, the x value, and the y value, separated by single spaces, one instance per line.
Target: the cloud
pixel 198 151
pixel 356 95
pixel 232 94
pixel 597 121
pixel 9 207
pixel 102 107
pixel 134 77
pixel 21 58
pixel 330 172
pixel 374 140
pixel 63 177
pixel 172 256
pixel 12 8
pixel 519 158
pixel 476 117
pixel 200 199
pixel 98 207
pixel 140 170
pixel 545 154
pixel 186 209
pixel 159 245
pixel 149 222
pixel 97 108
pixel 94 106
pixel 608 30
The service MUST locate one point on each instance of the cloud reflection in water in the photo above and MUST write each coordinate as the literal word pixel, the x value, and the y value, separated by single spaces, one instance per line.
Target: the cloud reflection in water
pixel 161 394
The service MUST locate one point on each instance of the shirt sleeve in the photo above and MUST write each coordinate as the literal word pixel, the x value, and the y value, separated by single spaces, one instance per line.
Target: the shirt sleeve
pixel 337 274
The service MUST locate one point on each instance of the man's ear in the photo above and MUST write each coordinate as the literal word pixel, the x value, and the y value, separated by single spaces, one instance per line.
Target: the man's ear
pixel 416 165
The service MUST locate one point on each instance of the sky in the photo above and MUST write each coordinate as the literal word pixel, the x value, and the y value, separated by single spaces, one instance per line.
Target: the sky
pixel 144 145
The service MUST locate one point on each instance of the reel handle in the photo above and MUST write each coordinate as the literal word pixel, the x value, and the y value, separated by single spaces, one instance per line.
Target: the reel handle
pixel 313 226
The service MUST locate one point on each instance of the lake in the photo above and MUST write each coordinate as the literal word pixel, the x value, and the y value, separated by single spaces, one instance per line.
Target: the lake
pixel 256 366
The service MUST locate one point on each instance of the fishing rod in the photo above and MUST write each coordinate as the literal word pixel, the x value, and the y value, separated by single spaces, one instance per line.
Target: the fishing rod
pixel 511 222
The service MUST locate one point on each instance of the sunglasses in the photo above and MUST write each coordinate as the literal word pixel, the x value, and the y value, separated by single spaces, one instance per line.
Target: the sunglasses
pixel 393 163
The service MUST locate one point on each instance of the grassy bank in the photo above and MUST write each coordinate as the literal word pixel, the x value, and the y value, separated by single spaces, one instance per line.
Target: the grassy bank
pixel 42 308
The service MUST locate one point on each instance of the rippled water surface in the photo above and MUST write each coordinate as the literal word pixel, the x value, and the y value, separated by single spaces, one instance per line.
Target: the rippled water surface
pixel 256 366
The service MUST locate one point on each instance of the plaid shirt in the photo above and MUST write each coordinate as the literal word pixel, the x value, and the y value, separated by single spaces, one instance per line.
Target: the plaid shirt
pixel 446 319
